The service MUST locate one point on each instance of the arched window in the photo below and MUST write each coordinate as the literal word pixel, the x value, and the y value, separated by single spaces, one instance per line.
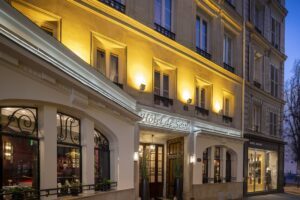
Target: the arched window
pixel 102 157
pixel 228 167
pixel 19 147
pixel 68 150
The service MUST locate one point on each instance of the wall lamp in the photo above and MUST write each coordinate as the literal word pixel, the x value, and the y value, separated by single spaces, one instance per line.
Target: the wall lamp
pixel 192 159
pixel 136 156
pixel 142 87
pixel 186 105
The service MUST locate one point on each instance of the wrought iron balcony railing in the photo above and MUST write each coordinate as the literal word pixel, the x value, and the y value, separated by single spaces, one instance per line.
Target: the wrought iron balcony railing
pixel 203 111
pixel 257 84
pixel 228 67
pixel 120 85
pixel 115 4
pixel 227 119
pixel 164 100
pixel 203 53
pixel 230 4
pixel 164 31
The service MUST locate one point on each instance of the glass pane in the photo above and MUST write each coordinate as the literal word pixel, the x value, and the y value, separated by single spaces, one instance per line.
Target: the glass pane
pixel 202 98
pixel 166 85
pixel 68 129
pixel 20 162
pixel 101 63
pixel 204 35
pixel 168 14
pixel 157 12
pixel 19 120
pixel 156 83
pixel 198 32
pixel 114 68
pixel 68 165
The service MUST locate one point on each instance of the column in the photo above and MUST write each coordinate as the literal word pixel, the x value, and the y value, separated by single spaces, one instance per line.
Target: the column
pixel 87 142
pixel 223 164
pixel 48 148
pixel 211 166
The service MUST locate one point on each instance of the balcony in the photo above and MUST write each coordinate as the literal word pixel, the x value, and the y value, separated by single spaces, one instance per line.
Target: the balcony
pixel 120 85
pixel 114 4
pixel 257 84
pixel 203 53
pixel 228 67
pixel 164 31
pixel 202 111
pixel 164 100
pixel 227 119
pixel 230 4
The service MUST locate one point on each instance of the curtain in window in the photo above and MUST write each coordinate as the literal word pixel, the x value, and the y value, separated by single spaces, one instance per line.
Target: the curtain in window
pixel 100 65
pixel 114 68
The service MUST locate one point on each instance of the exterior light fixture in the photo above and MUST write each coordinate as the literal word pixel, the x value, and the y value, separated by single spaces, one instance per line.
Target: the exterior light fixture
pixel 192 159
pixel 136 156
pixel 186 106
pixel 152 146
pixel 218 107
pixel 142 87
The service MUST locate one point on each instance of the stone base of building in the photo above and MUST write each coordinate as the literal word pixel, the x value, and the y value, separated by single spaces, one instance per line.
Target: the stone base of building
pixel 217 191
pixel 115 195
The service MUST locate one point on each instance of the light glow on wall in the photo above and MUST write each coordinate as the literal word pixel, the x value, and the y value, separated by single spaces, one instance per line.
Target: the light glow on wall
pixel 139 80
pixel 217 107
pixel 186 95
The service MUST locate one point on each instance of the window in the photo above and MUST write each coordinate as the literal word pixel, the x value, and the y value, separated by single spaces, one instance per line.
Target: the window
pixel 101 61
pixel 19 147
pixel 163 13
pixel 68 150
pixel 205 167
pixel 217 165
pixel 258 65
pixel 275 33
pixel 227 50
pixel 273 124
pixel 157 83
pixel 114 68
pixel 274 81
pixel 201 97
pixel 102 157
pixel 259 17
pixel 256 118
pixel 226 106
pixel 161 89
pixel 165 85
pixel 201 34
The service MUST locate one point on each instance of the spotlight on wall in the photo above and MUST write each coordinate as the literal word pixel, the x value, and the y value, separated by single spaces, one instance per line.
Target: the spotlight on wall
pixel 192 159
pixel 136 156
pixel 142 87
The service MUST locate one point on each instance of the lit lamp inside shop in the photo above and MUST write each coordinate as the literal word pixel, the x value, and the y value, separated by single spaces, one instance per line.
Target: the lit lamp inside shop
pixel 8 151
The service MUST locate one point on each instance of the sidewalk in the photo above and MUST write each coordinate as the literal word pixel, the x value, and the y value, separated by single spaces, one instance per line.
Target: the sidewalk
pixel 292 189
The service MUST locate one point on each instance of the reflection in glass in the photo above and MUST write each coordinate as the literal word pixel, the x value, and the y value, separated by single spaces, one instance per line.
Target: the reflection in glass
pixel 262 170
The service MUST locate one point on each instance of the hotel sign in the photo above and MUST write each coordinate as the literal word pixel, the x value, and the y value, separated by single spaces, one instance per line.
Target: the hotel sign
pixel 165 121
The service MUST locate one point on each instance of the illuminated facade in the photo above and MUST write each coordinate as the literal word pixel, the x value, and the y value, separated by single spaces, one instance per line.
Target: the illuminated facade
pixel 122 78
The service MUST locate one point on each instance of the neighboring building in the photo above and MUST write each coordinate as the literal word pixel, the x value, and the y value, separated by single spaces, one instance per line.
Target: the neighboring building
pixel 264 102
pixel 106 82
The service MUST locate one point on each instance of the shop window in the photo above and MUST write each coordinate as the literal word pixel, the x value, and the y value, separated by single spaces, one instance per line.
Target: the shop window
pixel 228 167
pixel 205 167
pixel 19 147
pixel 217 165
pixel 102 157
pixel 262 170
pixel 68 150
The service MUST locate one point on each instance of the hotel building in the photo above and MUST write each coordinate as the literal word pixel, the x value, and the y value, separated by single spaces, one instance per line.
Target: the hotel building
pixel 91 88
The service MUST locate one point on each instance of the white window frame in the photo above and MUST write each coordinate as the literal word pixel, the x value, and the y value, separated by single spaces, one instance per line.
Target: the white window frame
pixel 162 20
pixel 226 59
pixel 200 34
pixel 161 79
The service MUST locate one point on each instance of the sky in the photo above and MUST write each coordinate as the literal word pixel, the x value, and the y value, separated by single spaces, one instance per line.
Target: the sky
pixel 292 35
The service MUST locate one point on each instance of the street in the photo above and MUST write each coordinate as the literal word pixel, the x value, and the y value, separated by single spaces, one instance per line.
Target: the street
pixel 282 196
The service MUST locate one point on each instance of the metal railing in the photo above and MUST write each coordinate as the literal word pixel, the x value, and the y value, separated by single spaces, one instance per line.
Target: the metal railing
pixel 203 111
pixel 165 100
pixel 164 31
pixel 203 53
pixel 115 4
pixel 32 194
pixel 228 67
pixel 227 119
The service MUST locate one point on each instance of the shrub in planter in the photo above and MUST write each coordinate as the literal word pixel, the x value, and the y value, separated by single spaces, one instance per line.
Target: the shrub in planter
pixel 75 188
pixel 19 193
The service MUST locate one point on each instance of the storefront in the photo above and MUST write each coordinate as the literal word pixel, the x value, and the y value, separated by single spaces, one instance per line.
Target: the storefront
pixel 263 171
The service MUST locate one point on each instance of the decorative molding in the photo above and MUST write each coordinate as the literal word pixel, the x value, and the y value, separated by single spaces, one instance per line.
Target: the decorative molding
pixel 212 128
pixel 160 120
pixel 37 42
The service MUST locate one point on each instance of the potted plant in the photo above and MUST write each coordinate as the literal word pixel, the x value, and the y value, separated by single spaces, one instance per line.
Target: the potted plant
pixel 75 188
pixel 145 190
pixel 105 185
pixel 178 179
pixel 19 193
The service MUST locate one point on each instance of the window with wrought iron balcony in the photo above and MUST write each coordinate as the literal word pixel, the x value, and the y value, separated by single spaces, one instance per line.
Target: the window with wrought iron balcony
pixel 202 37
pixel 116 4
pixel 164 18
pixel 227 53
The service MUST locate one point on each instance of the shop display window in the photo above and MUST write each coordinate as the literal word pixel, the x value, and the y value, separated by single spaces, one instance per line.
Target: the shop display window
pixel 19 147
pixel 68 150
pixel 262 170
pixel 217 165
pixel 102 157
pixel 205 167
